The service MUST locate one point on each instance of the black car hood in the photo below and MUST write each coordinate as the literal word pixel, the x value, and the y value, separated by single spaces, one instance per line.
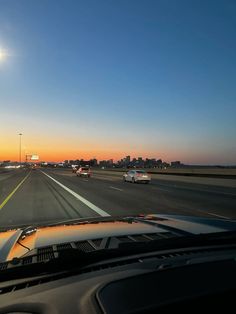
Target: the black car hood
pixel 17 242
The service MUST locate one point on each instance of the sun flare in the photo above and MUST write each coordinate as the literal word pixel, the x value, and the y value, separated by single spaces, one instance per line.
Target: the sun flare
pixel 3 54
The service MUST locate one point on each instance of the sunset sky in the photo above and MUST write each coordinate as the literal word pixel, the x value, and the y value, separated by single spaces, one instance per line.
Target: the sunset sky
pixel 106 79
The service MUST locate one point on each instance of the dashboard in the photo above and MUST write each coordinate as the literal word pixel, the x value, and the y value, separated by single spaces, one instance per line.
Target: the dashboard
pixel 138 285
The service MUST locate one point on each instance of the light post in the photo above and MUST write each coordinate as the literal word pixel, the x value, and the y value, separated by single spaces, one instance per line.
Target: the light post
pixel 20 134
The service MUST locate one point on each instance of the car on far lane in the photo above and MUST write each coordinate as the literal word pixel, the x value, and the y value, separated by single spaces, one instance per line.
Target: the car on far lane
pixel 136 176
pixel 83 171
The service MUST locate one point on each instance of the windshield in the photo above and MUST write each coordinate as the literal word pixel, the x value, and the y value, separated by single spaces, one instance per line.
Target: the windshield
pixel 116 109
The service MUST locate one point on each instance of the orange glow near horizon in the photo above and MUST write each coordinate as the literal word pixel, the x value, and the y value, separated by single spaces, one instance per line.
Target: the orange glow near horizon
pixel 71 148
pixel 56 152
pixel 57 148
pixel 60 156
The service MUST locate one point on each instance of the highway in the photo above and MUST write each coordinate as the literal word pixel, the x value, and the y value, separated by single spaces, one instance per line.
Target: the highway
pixel 41 196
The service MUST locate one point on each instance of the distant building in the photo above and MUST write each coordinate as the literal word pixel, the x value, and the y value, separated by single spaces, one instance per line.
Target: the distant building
pixel 165 165
pixel 176 164
pixel 106 163
pixel 127 159
pixel 94 162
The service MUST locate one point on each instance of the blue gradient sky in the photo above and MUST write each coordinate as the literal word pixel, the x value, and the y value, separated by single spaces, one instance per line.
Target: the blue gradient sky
pixel 109 78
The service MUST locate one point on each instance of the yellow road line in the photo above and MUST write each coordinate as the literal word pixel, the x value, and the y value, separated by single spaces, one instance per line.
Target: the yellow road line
pixel 12 193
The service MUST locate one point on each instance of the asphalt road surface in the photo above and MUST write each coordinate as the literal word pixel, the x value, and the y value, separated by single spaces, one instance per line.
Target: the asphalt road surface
pixel 47 195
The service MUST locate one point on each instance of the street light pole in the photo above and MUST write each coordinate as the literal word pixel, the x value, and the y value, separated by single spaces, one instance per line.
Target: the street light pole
pixel 20 134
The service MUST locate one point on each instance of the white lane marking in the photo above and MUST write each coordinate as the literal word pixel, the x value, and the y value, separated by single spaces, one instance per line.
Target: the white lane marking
pixel 114 188
pixel 86 180
pixel 80 198
pixel 196 189
pixel 212 214
pixel 220 216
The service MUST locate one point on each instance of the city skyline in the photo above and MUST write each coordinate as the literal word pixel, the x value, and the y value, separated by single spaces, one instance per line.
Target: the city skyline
pixel 125 160
pixel 60 156
pixel 108 79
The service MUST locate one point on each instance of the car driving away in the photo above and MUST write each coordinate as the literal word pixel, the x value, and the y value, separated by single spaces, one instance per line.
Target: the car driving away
pixel 83 172
pixel 136 176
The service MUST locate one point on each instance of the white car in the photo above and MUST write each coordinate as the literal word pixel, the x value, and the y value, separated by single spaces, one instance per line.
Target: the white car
pixel 136 176
pixel 83 171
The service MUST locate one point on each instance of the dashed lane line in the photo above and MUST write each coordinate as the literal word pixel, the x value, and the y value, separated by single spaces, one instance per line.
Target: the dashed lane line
pixel 114 188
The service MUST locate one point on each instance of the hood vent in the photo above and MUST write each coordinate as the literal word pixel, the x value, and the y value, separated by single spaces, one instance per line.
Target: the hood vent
pixel 97 242
pixel 3 266
pixel 64 246
pixel 125 239
pixel 45 253
pixel 163 235
pixel 146 237
pixel 84 246
pixel 27 260
pixel 139 238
